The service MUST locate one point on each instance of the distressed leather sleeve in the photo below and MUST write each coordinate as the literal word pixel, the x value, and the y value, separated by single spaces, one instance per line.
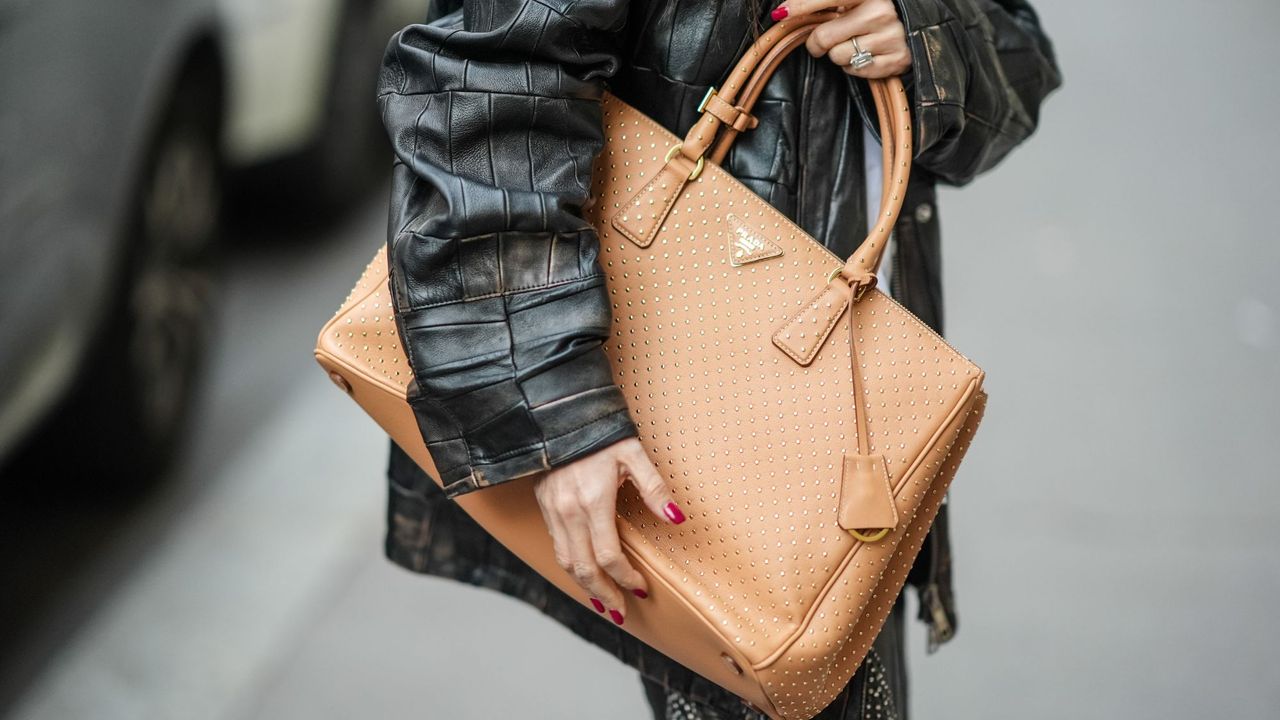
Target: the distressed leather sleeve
pixel 980 71
pixel 494 114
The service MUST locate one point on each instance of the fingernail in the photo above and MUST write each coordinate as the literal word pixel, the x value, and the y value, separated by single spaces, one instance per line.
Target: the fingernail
pixel 598 605
pixel 778 13
pixel 639 593
pixel 617 616
pixel 673 511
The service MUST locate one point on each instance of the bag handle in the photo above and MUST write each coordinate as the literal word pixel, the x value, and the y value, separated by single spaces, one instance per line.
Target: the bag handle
pixel 720 112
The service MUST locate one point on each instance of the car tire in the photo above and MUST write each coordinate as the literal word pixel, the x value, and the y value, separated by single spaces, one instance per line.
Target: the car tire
pixel 130 411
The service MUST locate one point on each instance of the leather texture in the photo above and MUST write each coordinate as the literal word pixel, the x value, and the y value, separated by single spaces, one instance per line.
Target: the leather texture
pixel 736 425
pixel 490 254
pixel 499 98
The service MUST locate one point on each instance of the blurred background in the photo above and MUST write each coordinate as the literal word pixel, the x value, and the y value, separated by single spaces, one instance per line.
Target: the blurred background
pixel 189 187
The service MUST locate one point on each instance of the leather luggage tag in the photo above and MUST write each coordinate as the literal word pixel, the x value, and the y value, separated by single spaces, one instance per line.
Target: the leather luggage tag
pixel 866 497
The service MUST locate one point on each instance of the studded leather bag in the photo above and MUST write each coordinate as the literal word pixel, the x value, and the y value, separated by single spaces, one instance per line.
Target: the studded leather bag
pixel 807 423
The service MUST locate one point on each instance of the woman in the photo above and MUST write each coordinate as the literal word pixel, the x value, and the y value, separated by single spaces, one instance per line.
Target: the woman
pixel 494 113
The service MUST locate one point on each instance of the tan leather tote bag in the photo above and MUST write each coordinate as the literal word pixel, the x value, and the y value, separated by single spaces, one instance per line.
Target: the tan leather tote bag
pixel 807 423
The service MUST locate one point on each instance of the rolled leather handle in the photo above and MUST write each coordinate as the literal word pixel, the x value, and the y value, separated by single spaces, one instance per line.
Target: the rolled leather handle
pixel 753 86
pixel 749 76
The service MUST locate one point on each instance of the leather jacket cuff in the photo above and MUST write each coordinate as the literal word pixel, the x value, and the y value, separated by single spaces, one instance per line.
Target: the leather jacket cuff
pixel 583 440
pixel 513 384
pixel 980 71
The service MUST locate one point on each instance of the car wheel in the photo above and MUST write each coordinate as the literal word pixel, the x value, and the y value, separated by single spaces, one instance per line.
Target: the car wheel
pixel 138 386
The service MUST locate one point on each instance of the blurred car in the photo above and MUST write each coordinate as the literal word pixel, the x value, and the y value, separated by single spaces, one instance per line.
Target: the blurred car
pixel 123 124
pixel 302 124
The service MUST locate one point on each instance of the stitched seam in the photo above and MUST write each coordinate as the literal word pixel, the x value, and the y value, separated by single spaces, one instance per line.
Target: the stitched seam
pixel 822 338
pixel 650 188
pixel 700 85
pixel 458 487
pixel 490 459
pixel 611 413
pixel 446 470
pixel 507 291
pixel 621 227
pixel 515 379
pixel 751 197
pixel 973 116
pixel 517 93
pixel 398 320
pixel 568 17
pixel 541 445
pixel 466 444
pixel 888 486
pixel 443 45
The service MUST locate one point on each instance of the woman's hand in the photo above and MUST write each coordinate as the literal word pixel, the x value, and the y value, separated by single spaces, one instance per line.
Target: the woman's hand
pixel 873 23
pixel 579 501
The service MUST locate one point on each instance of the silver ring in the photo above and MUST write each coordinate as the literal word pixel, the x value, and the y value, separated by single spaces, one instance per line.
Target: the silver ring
pixel 861 58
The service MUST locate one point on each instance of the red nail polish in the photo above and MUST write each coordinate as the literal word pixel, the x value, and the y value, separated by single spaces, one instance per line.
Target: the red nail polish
pixel 617 616
pixel 598 605
pixel 639 593
pixel 673 512
pixel 778 13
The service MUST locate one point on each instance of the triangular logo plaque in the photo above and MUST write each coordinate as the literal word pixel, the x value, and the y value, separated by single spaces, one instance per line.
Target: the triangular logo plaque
pixel 747 245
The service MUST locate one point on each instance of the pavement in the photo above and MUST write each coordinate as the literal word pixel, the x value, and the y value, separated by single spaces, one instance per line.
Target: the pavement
pixel 1114 522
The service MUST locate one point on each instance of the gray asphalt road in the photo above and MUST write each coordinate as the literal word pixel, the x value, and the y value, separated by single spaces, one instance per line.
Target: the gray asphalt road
pixel 1115 521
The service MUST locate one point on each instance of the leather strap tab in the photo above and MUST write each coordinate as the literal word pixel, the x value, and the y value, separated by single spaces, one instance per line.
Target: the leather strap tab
pixel 734 116
pixel 639 219
pixel 806 331
pixel 866 496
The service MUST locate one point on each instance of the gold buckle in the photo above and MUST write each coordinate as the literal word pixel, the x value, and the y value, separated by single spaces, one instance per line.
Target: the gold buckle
pixel 862 288
pixel 697 170
pixel 706 98
pixel 874 537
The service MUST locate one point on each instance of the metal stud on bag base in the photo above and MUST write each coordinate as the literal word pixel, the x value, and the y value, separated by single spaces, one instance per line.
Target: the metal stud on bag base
pixel 807 423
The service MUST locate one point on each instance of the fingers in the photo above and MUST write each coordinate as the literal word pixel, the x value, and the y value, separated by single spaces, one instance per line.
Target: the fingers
pixel 860 21
pixel 607 551
pixel 653 489
pixel 878 30
pixel 585 568
pixel 579 503
pixel 805 7
pixel 892 57
pixel 888 50
pixel 568 520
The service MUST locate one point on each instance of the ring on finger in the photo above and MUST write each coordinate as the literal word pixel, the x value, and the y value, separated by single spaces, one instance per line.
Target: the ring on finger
pixel 861 58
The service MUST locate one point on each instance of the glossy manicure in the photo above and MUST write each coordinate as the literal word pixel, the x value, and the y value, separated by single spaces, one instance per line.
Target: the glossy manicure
pixel 639 593
pixel 778 13
pixel 673 511
pixel 617 616
pixel 598 605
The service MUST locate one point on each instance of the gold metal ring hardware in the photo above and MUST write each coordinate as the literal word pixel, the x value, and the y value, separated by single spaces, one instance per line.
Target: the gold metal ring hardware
pixel 706 98
pixel 697 170
pixel 857 294
pixel 874 537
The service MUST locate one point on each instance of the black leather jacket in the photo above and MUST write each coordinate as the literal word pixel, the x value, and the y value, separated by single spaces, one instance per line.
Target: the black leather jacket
pixel 493 110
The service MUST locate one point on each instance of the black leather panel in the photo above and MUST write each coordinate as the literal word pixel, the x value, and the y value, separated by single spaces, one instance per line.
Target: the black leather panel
pixel 493 111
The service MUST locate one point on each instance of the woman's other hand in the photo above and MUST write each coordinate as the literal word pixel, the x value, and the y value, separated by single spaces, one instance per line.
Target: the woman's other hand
pixel 873 23
pixel 579 502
